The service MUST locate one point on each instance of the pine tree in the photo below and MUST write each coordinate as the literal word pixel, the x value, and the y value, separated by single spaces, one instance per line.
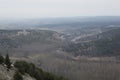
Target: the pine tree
pixel 7 62
pixel 1 59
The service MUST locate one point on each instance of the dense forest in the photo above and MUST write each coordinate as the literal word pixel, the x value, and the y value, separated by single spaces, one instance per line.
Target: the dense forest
pixel 107 45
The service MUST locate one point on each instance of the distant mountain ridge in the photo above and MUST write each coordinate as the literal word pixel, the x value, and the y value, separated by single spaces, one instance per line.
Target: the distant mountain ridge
pixel 58 22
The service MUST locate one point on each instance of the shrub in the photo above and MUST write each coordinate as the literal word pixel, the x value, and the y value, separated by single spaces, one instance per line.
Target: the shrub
pixel 29 68
pixel 22 66
pixel 18 76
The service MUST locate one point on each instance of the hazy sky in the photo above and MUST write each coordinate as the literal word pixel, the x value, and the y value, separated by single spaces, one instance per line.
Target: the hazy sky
pixel 58 8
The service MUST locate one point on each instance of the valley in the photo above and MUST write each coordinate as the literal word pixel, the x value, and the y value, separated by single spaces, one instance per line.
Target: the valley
pixel 81 50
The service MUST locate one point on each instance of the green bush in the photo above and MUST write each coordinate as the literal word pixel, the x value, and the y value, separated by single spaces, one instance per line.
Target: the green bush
pixel 22 66
pixel 18 76
pixel 29 68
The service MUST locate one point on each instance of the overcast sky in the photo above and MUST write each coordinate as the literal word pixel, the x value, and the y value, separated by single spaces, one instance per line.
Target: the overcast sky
pixel 58 8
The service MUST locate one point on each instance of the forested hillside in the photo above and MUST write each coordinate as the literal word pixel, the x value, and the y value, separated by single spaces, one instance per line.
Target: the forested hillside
pixel 94 53
pixel 107 44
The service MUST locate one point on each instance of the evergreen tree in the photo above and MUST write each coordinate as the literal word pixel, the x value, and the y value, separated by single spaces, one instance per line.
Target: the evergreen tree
pixel 18 76
pixel 1 59
pixel 7 62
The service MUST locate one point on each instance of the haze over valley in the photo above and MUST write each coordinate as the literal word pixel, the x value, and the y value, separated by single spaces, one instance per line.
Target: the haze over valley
pixel 59 39
pixel 78 48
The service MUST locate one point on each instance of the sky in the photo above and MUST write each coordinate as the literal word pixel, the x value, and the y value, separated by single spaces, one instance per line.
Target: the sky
pixel 58 8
